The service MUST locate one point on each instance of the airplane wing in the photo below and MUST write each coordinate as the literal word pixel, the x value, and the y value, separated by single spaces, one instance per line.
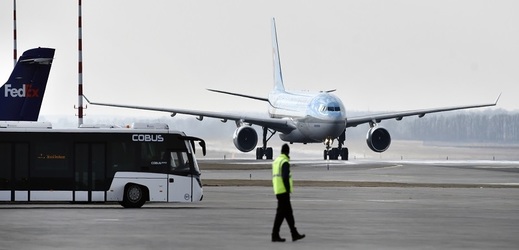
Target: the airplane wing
pixel 376 118
pixel 280 125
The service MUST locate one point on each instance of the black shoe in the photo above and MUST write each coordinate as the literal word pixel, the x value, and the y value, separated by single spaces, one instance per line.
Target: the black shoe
pixel 277 238
pixel 297 236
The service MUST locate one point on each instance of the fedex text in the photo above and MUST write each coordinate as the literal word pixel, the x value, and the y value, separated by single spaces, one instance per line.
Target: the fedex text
pixel 25 91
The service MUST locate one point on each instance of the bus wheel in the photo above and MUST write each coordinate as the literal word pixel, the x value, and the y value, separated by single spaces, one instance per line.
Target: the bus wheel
pixel 133 196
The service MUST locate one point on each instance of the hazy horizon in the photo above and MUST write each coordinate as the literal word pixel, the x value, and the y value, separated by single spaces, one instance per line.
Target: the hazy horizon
pixel 378 55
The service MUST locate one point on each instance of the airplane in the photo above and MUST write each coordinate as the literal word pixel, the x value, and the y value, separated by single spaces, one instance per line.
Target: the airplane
pixel 301 117
pixel 21 96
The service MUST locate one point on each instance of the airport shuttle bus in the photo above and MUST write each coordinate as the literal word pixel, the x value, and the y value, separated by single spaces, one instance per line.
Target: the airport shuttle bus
pixel 130 165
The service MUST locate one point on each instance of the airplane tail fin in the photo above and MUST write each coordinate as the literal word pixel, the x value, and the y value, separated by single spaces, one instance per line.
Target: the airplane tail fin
pixel 21 96
pixel 278 76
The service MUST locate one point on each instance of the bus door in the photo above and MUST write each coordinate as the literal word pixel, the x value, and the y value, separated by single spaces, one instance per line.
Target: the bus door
pixel 6 168
pixel 180 180
pixel 14 171
pixel 90 172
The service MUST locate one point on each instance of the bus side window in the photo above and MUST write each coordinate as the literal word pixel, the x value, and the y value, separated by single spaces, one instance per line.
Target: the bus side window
pixel 121 154
pixel 174 160
pixel 154 157
pixel 179 161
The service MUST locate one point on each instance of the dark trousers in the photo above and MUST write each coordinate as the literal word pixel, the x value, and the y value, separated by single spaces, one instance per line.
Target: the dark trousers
pixel 284 211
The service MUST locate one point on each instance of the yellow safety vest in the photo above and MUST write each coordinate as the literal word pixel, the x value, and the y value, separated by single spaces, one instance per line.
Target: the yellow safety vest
pixel 277 178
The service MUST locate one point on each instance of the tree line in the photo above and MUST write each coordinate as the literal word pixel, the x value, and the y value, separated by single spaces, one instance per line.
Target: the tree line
pixel 492 126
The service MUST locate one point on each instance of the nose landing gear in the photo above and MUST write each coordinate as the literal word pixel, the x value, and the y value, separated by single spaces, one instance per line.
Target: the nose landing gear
pixel 334 153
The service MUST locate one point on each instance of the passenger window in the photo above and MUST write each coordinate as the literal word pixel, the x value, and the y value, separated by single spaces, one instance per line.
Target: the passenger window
pixel 121 156
pixel 50 156
pixel 154 157
pixel 180 162
pixel 174 160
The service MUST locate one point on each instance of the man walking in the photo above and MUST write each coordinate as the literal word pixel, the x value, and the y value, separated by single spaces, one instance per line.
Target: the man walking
pixel 282 183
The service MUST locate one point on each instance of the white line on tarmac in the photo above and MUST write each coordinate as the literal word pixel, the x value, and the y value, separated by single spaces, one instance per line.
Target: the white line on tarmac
pixel 390 201
pixel 106 220
pixel 388 167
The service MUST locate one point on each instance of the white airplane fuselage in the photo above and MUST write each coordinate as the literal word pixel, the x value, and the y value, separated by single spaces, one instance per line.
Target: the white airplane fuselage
pixel 318 116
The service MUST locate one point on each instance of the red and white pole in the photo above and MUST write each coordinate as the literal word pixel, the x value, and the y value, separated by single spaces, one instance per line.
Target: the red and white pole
pixel 80 68
pixel 14 32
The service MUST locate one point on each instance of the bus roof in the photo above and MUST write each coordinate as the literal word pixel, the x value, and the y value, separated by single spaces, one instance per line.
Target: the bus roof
pixel 15 126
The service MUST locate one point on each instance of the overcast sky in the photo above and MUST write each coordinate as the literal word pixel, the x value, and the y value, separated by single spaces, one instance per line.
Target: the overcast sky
pixel 379 55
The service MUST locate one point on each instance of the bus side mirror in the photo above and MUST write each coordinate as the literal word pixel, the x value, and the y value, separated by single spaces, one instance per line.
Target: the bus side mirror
pixel 202 144
pixel 192 140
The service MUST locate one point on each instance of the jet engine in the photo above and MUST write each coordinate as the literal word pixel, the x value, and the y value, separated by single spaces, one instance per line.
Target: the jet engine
pixel 245 138
pixel 378 139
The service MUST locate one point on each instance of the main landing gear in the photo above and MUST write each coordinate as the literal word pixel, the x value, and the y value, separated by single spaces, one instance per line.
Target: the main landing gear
pixel 328 153
pixel 335 153
pixel 264 150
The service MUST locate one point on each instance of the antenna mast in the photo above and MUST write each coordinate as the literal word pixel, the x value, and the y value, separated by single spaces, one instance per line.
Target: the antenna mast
pixel 14 32
pixel 80 68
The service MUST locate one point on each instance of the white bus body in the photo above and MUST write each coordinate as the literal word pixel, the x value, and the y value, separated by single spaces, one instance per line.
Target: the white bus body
pixel 131 165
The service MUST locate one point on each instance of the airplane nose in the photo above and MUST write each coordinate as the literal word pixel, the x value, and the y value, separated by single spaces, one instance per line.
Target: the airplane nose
pixel 327 130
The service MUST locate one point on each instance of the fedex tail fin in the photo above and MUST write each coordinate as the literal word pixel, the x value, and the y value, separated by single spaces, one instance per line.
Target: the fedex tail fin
pixel 22 95
pixel 278 76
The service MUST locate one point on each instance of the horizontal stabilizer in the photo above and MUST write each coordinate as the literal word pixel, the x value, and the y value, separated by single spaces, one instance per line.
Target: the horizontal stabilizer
pixel 240 95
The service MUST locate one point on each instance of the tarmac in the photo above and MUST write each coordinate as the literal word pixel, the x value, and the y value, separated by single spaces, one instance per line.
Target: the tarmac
pixel 434 212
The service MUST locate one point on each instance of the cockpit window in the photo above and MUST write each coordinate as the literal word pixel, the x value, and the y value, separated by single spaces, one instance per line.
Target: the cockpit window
pixel 334 109
pixel 323 108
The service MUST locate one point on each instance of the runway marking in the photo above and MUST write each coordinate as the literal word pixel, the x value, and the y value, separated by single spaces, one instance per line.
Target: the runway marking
pixel 336 184
pixel 388 167
pixel 390 201
pixel 317 200
pixel 106 220
pixel 496 167
pixel 464 162
pixel 509 184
